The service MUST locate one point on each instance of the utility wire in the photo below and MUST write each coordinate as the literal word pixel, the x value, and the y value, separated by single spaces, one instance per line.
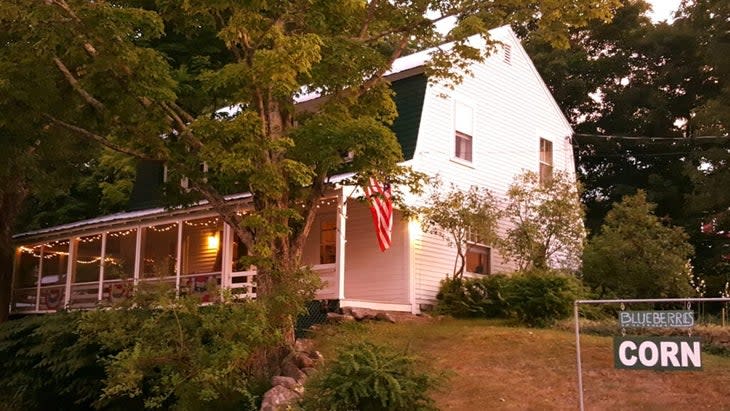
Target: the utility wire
pixel 650 138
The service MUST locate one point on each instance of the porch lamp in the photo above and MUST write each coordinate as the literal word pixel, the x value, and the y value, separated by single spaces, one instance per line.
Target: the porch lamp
pixel 213 242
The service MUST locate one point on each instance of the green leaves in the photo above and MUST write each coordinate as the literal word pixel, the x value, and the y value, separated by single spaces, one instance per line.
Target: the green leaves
pixel 545 222
pixel 637 256
pixel 365 376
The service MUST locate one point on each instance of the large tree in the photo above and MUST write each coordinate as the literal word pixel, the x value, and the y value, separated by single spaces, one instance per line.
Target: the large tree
pixel 663 90
pixel 149 78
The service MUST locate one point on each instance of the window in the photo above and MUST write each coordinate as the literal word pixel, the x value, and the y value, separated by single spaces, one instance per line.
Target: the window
pixel 478 256
pixel 119 257
pixel 88 259
pixel 201 246
pixel 327 240
pixel 463 135
pixel 463 146
pixel 546 160
pixel 159 251
pixel 478 259
pixel 239 250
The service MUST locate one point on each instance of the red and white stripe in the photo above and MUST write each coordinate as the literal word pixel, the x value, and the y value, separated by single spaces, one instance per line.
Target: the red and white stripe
pixel 381 207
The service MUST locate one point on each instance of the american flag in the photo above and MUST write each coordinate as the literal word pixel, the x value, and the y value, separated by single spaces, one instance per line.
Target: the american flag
pixel 381 206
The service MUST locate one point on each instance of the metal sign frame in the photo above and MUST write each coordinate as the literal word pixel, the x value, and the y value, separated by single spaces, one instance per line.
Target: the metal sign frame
pixel 576 313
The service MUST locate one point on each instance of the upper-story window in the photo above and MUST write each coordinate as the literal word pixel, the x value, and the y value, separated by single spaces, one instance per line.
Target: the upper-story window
pixel 546 160
pixel 463 131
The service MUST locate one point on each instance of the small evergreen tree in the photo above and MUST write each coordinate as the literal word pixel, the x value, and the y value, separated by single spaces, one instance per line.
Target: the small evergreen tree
pixel 637 256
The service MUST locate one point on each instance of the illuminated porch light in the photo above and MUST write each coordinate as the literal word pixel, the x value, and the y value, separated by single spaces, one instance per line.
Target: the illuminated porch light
pixel 213 242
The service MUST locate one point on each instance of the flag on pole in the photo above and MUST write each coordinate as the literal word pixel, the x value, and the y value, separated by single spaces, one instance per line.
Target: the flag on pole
pixel 381 207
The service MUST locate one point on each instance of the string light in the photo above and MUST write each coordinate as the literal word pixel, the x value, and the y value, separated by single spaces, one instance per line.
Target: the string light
pixel 90 239
pixel 123 233
pixel 211 222
pixel 163 229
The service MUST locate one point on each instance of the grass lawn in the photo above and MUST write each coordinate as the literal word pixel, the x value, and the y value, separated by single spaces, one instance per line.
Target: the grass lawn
pixel 493 366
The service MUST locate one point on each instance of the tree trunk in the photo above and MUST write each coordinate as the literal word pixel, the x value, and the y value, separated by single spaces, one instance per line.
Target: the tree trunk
pixel 10 202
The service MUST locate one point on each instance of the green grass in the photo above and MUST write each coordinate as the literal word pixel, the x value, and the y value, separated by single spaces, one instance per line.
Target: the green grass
pixel 493 365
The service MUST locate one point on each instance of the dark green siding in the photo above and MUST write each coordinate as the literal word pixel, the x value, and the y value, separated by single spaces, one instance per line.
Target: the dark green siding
pixel 409 95
pixel 147 190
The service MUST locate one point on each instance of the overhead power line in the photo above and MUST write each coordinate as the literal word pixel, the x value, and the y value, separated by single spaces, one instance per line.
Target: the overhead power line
pixel 651 138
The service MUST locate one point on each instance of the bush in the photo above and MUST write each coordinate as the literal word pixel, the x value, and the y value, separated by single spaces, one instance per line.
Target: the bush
pixel 540 298
pixel 46 367
pixel 536 298
pixel 368 377
pixel 173 354
pixel 473 297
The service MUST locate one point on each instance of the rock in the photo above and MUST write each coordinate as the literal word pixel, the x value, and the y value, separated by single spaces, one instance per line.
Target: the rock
pixel 288 369
pixel 385 317
pixel 339 318
pixel 278 398
pixel 287 382
pixel 316 356
pixel 361 314
pixel 309 371
pixel 302 360
pixel 304 345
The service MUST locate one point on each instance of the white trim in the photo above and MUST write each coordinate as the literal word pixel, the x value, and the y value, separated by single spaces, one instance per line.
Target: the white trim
pixel 341 243
pixel 226 256
pixel 137 255
pixel 102 265
pixel 178 257
pixel 73 244
pixel 38 282
pixel 375 306
pixel 410 256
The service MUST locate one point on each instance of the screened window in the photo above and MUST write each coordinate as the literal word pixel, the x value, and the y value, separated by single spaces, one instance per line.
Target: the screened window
pixel 28 264
pixel 159 251
pixel 119 258
pixel 88 259
pixel 239 250
pixel 327 240
pixel 55 263
pixel 201 246
pixel 546 160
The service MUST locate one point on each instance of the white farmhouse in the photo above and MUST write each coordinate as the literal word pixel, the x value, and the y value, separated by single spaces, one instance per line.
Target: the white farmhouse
pixel 494 125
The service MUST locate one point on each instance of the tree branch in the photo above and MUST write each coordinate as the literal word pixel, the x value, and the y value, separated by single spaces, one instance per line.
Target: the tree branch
pixel 97 138
pixel 96 104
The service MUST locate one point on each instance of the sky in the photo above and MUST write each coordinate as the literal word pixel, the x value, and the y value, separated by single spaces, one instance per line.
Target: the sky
pixel 663 9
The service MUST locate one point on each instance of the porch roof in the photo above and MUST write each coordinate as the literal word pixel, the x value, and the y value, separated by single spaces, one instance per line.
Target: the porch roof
pixel 127 217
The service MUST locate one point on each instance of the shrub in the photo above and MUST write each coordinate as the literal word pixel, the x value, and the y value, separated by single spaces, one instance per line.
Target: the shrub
pixel 367 377
pixel 172 354
pixel 473 297
pixel 45 366
pixel 540 298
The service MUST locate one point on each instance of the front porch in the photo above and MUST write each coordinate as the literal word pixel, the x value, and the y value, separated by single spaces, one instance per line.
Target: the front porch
pixel 100 262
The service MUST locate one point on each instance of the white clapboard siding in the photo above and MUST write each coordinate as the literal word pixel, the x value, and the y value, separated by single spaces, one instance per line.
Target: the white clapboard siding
pixel 512 110
pixel 372 275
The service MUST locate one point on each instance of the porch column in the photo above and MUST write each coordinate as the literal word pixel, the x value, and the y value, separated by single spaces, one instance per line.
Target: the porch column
pixel 226 256
pixel 102 266
pixel 73 245
pixel 341 242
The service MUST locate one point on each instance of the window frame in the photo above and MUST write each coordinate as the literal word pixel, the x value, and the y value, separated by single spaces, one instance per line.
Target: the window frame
pixel 546 163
